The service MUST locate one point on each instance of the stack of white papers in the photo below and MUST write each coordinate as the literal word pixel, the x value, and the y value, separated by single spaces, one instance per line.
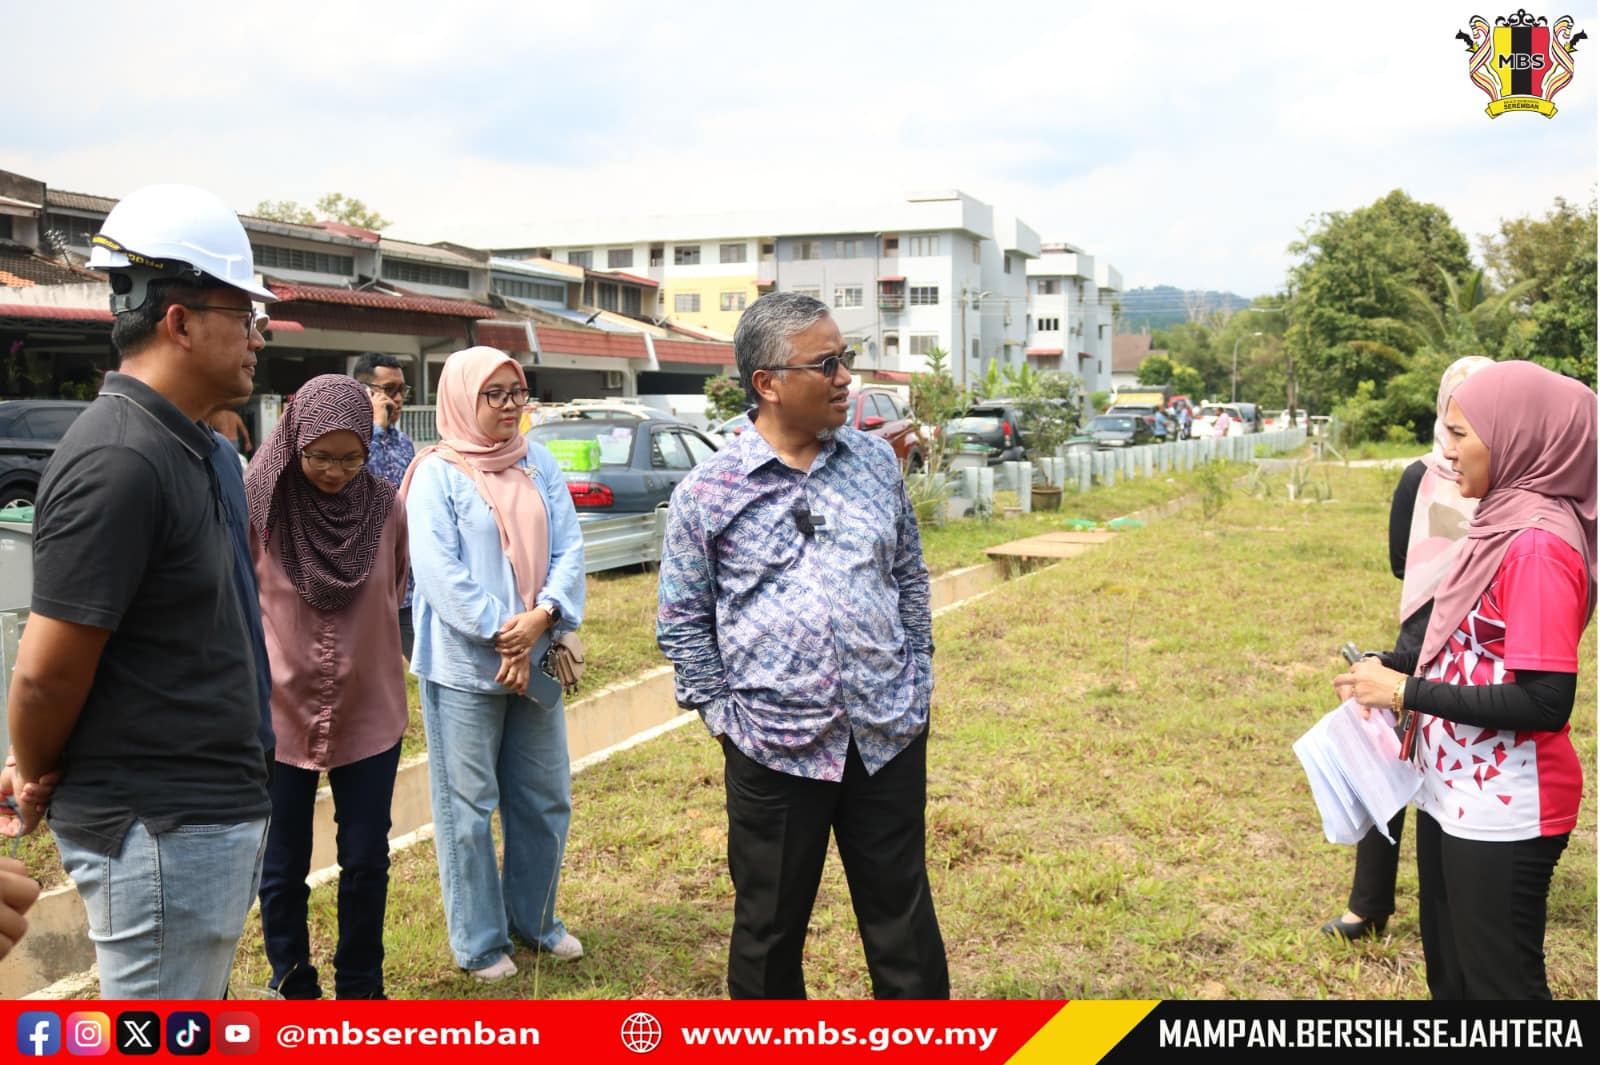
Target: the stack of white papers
pixel 1357 775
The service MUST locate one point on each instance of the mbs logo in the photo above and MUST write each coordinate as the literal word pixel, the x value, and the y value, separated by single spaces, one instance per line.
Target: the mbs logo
pixel 1521 62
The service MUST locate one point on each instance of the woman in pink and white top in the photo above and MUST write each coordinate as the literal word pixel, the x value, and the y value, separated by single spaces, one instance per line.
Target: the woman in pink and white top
pixel 1495 681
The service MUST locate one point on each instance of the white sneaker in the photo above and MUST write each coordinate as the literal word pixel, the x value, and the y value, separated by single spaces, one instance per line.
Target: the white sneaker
pixel 501 969
pixel 569 949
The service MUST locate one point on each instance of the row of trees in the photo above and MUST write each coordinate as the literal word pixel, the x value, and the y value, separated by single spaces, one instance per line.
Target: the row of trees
pixel 1382 298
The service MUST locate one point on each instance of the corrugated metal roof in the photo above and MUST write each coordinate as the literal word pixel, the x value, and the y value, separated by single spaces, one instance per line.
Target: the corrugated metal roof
pixel 78 201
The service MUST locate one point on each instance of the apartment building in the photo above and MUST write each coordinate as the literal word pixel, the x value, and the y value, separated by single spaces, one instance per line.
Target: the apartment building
pixel 1070 314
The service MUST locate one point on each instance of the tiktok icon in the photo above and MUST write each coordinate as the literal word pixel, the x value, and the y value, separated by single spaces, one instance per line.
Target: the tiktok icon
pixel 188 1033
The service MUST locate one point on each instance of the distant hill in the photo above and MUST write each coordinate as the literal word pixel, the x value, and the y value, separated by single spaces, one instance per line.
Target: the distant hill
pixel 1165 305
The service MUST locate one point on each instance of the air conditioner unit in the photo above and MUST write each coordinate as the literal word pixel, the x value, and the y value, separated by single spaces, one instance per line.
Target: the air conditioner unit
pixel 613 378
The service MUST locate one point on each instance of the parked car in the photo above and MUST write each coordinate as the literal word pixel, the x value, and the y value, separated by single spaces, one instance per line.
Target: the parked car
pixel 992 428
pixel 1279 419
pixel 1205 420
pixel 880 412
pixel 729 429
pixel 622 465
pixel 1145 412
pixel 30 429
pixel 1120 430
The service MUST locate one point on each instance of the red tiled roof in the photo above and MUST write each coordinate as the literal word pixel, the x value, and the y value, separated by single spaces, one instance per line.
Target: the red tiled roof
pixel 286 290
pixel 53 313
pixel 591 342
pixel 30 269
pixel 366 235
pixel 283 325
pixel 1085 355
pixel 696 351
pixel 892 376
pixel 1128 350
pixel 1044 351
pixel 620 276
pixel 507 336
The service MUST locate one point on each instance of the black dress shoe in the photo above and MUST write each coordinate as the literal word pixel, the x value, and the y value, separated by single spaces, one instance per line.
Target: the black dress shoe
pixel 1367 927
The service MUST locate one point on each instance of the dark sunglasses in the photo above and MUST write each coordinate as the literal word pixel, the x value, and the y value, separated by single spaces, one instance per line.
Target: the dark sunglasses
pixel 828 367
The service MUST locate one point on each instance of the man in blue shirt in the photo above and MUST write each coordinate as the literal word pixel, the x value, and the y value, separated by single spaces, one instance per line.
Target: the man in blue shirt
pixel 392 449
pixel 794 605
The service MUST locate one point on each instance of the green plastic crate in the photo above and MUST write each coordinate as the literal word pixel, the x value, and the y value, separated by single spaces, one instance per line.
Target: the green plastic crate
pixel 576 456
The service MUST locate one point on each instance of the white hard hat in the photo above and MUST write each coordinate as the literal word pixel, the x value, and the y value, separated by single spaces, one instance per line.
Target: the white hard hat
pixel 173 230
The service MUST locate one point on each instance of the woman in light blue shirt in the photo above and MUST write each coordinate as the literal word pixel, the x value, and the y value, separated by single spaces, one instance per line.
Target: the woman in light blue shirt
pixel 498 559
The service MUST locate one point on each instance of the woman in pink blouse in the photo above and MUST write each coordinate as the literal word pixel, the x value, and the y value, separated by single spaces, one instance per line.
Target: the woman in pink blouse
pixel 329 542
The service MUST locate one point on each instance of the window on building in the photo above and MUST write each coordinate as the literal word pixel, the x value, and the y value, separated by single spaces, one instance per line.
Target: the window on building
pixel 530 290
pixel 768 250
pixel 1008 264
pixel 75 230
pixel 734 253
pixel 891 343
pixel 891 245
pixel 619 259
pixel 658 254
pixel 733 301
pixel 807 290
pixel 1048 286
pixel 312 262
pixel 606 297
pixel 847 296
pixel 423 273
pixel 583 257
pixel 686 303
pixel 808 249
pixel 922 343
pixel 851 248
pixel 5 226
pixel 632 302
pixel 1049 325
pixel 686 255
pixel 924 295
pixel 923 244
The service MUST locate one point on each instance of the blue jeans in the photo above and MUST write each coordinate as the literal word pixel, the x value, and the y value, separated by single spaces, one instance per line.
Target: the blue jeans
pixel 165 912
pixel 489 750
pixel 362 794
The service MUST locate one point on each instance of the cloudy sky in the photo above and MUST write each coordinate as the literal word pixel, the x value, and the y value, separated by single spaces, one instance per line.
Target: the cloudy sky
pixel 1187 144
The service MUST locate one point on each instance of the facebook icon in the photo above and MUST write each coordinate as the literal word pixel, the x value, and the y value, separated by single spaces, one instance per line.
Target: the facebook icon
pixel 38 1034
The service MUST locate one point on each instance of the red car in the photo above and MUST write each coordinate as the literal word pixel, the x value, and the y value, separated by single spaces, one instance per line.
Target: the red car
pixel 881 412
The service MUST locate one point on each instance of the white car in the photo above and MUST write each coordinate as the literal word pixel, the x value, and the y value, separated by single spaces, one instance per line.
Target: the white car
pixel 1205 420
pixel 1279 419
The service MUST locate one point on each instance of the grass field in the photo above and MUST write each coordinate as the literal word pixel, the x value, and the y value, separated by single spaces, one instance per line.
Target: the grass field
pixel 1114 809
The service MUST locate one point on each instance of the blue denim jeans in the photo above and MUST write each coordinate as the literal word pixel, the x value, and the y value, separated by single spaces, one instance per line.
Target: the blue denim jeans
pixel 165 913
pixel 362 794
pixel 486 751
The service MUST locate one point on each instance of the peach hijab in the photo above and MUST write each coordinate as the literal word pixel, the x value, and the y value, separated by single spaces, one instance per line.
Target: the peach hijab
pixel 494 466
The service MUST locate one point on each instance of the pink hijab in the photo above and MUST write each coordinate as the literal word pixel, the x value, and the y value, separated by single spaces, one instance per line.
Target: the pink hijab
pixel 1539 428
pixel 1440 515
pixel 494 466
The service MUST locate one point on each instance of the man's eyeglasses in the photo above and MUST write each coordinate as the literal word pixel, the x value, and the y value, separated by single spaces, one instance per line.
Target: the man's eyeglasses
pixel 322 463
pixel 828 367
pixel 253 319
pixel 500 398
pixel 393 391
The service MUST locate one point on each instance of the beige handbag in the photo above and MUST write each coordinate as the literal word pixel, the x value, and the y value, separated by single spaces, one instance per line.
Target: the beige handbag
pixel 564 661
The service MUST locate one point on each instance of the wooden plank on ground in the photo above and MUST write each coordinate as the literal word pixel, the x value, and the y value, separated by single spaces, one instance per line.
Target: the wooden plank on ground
pixel 1051 545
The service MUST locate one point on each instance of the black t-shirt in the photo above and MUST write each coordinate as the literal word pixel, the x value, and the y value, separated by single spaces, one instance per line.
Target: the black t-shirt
pixel 130 535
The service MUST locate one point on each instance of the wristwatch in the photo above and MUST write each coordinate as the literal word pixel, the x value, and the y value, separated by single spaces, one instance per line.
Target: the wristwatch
pixel 555 613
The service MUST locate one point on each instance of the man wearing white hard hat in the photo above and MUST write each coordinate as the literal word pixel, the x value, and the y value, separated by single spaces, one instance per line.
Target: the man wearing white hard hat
pixel 135 677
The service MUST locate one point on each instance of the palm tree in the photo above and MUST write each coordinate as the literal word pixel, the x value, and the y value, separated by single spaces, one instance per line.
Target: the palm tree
pixel 1470 321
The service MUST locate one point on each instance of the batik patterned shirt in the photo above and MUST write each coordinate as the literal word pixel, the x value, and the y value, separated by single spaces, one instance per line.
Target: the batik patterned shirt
pixel 392 452
pixel 792 642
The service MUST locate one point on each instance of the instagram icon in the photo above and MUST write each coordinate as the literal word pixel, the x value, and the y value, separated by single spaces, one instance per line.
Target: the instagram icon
pixel 88 1033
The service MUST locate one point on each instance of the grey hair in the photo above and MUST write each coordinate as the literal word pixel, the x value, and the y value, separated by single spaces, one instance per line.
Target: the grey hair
pixel 762 340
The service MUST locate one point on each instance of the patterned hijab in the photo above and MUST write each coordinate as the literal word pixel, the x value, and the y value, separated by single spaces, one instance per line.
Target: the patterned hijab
pixel 1539 428
pixel 328 542
pixel 494 466
pixel 1440 515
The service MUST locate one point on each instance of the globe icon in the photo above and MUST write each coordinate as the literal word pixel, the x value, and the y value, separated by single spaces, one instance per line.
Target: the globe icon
pixel 641 1033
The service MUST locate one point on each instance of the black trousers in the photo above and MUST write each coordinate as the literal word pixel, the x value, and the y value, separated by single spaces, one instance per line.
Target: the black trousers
pixel 778 827
pixel 362 792
pixel 408 635
pixel 1377 864
pixel 1483 911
